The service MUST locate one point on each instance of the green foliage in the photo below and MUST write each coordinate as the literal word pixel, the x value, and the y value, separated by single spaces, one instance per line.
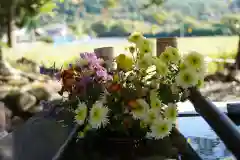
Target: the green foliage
pixel 46 39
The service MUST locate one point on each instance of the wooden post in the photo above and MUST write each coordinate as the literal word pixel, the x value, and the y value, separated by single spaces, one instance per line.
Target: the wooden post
pixel 2 117
pixel 107 54
pixel 162 43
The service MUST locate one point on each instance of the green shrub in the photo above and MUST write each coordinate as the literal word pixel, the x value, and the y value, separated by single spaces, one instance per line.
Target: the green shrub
pixel 46 39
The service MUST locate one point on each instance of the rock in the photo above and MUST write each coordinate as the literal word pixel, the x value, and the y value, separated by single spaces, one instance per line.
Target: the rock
pixel 36 109
pixel 38 90
pixel 15 123
pixel 20 102
pixel 14 80
pixel 4 90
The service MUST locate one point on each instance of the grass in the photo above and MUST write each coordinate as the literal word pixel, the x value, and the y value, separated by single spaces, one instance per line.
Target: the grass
pixel 48 53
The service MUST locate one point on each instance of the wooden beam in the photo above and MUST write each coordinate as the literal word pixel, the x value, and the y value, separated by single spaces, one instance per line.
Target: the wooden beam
pixel 107 54
pixel 162 43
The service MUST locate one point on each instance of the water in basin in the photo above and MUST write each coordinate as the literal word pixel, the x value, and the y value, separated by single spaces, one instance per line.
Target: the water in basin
pixel 203 139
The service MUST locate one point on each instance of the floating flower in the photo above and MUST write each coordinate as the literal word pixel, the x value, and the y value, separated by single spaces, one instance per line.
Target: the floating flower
pixel 136 37
pixel 160 129
pixel 98 115
pixel 187 78
pixel 140 111
pixel 194 59
pixel 81 113
pixel 171 112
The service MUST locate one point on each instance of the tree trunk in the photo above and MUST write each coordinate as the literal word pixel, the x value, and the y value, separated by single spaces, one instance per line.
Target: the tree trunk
pixel 10 23
pixel 237 59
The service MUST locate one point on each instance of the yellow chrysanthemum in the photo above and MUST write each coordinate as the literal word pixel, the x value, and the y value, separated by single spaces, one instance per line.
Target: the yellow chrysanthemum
pixel 187 78
pixel 124 62
pixel 98 115
pixel 183 66
pixel 161 67
pixel 136 37
pixel 194 60
pixel 144 47
pixel 145 61
pixel 81 113
pixel 160 129
pixel 171 112
pixel 166 57
pixel 140 111
pixel 175 56
pixel 155 102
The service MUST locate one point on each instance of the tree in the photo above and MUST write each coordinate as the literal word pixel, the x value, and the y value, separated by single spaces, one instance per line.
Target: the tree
pixel 12 12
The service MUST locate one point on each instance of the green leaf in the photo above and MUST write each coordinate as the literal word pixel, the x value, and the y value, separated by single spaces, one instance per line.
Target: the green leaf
pixel 48 7
pixel 3 44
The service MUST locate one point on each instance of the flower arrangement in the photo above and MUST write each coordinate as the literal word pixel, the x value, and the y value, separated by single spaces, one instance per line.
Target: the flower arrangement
pixel 139 97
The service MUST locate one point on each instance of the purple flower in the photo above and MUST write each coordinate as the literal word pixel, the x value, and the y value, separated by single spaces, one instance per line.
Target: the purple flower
pixel 102 73
pixel 42 70
pixel 86 79
pixel 88 56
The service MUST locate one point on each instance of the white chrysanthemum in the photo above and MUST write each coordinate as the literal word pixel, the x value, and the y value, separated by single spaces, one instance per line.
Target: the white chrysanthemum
pixel 160 129
pixel 140 111
pixel 175 56
pixel 171 112
pixel 81 113
pixel 161 67
pixel 136 37
pixel 98 115
pixel 187 78
pixel 194 60
pixel 152 115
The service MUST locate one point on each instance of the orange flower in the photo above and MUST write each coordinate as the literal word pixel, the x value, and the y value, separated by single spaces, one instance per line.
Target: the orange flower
pixel 133 104
pixel 115 87
pixel 127 122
